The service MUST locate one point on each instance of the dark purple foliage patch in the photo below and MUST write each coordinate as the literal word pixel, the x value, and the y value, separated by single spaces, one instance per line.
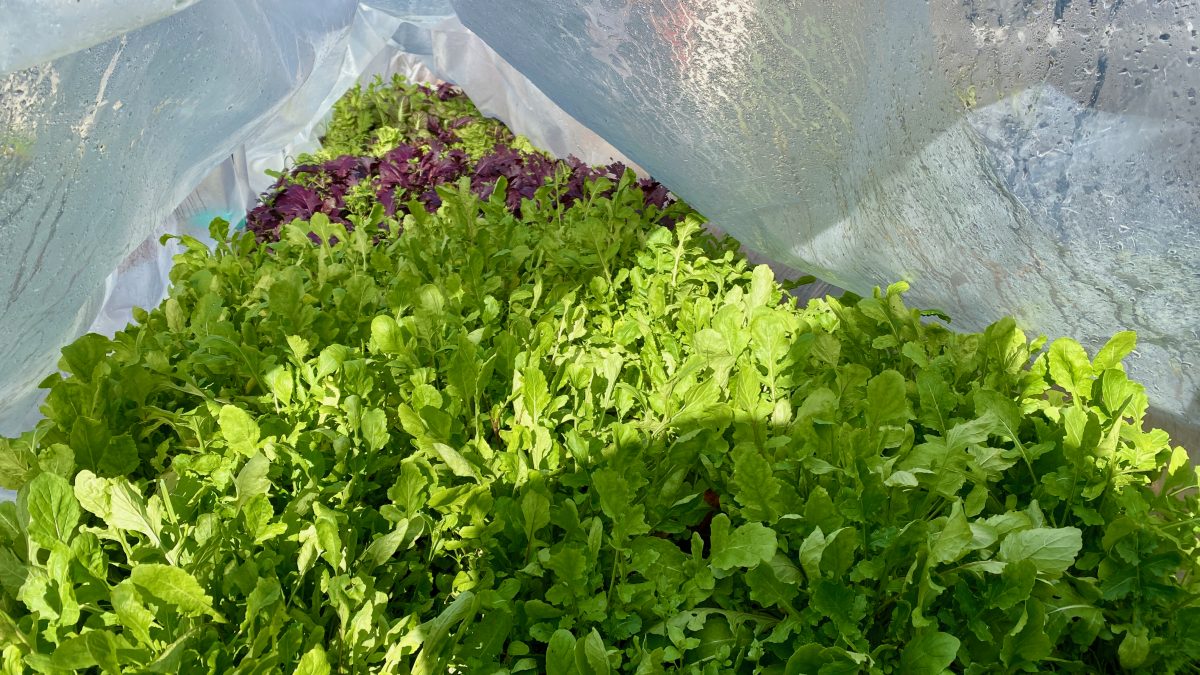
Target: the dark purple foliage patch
pixel 409 172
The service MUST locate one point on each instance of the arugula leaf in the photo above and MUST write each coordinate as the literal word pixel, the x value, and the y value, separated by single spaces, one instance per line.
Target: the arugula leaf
pixel 239 429
pixel 48 510
pixel 747 546
pixel 1070 367
pixel 929 653
pixel 1115 351
pixel 173 586
pixel 954 539
pixel 1051 550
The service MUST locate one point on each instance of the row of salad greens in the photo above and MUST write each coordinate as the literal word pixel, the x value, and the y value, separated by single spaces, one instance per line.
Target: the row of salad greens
pixel 392 143
pixel 559 436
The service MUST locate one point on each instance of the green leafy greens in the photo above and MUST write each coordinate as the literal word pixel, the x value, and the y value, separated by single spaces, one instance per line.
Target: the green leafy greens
pixel 574 441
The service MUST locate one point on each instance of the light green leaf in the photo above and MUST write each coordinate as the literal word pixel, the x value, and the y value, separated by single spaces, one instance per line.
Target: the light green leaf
pixel 128 510
pixel 1134 649
pixel 1070 367
pixel 16 464
pixel 385 546
pixel 929 653
pixel 916 353
pixel 887 403
pixel 374 428
pixel 617 500
pixel 811 551
pixel 287 289
pixel 1002 412
pixel 1115 351
pixel 10 523
pixel 938 400
pixel 83 355
pixel 954 540
pixel 982 536
pixel 266 594
pixel 281 384
pixel 13 571
pixel 258 514
pixel 90 649
pixel 136 620
pixel 252 479
pixel 762 284
pixel 590 656
pixel 535 394
pixel 314 662
pixel 838 555
pixel 240 430
pixel 710 342
pixel 769 337
pixel 747 546
pixel 756 487
pixel 299 346
pixel 430 660
pixel 93 494
pixel 52 509
pixel 901 479
pixel 560 653
pixel 962 435
pixel 1116 389
pixel 535 512
pixel 454 461
pixel 779 581
pixel 1051 550
pixel 331 360
pixel 329 538
pixel 59 459
pixel 173 586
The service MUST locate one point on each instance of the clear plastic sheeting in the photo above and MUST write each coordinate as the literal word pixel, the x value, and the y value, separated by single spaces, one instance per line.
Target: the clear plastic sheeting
pixel 1034 159
pixel 499 90
pixel 33 32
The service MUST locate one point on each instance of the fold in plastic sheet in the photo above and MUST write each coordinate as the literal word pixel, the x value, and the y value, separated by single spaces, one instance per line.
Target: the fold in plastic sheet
pixel 1034 159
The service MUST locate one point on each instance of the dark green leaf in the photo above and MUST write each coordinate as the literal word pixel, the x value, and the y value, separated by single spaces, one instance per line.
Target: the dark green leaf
pixel 929 653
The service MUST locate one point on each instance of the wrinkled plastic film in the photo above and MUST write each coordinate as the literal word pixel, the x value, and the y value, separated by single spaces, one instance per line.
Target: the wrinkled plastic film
pixel 34 32
pixel 500 90
pixel 1034 159
pixel 99 147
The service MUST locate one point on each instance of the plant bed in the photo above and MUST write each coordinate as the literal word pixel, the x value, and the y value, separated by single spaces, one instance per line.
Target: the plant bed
pixel 560 437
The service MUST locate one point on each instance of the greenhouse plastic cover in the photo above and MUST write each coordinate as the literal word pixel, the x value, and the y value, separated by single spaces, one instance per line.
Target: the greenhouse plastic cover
pixel 1039 159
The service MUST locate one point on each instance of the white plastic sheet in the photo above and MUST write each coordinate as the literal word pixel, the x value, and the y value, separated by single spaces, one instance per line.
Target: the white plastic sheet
pixel 1039 159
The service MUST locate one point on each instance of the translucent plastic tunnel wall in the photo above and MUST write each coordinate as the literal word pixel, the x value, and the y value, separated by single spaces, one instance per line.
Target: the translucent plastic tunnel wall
pixel 1035 158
